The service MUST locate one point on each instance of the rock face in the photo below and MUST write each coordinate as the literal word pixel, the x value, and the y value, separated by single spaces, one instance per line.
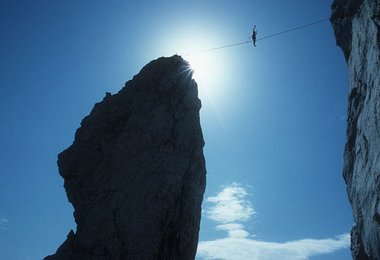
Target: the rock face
pixel 356 25
pixel 135 173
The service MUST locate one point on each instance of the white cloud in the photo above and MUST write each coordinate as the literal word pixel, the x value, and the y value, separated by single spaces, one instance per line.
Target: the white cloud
pixel 231 248
pixel 230 205
pixel 231 208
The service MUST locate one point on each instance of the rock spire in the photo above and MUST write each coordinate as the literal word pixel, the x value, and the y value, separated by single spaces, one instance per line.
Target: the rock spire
pixel 135 173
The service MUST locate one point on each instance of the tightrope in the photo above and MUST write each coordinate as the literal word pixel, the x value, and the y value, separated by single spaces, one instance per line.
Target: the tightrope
pixel 259 39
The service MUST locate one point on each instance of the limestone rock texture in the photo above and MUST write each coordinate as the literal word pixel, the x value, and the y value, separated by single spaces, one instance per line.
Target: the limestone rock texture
pixel 135 173
pixel 356 26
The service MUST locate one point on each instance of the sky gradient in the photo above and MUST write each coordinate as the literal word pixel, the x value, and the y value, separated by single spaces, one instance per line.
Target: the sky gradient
pixel 273 117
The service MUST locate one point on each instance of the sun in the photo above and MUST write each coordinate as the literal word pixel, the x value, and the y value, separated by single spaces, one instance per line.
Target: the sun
pixel 197 65
pixel 208 69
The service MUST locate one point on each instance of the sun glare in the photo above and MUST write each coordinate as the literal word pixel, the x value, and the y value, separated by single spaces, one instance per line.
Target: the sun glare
pixel 199 66
pixel 210 68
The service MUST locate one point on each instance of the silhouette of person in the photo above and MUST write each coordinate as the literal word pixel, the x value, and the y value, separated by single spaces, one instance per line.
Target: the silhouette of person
pixel 254 34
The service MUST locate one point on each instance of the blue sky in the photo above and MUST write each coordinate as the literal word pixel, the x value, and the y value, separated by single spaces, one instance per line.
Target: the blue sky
pixel 273 116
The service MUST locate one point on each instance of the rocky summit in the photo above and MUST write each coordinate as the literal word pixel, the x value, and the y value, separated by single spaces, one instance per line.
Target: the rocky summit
pixel 356 25
pixel 135 173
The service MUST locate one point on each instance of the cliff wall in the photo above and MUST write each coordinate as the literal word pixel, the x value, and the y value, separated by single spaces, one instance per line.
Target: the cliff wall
pixel 356 25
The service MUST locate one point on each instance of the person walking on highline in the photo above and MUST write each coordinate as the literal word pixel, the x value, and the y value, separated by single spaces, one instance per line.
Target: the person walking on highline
pixel 254 34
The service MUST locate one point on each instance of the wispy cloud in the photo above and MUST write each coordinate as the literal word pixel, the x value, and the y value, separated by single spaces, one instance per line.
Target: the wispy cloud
pixel 231 209
pixel 3 222
pixel 234 230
